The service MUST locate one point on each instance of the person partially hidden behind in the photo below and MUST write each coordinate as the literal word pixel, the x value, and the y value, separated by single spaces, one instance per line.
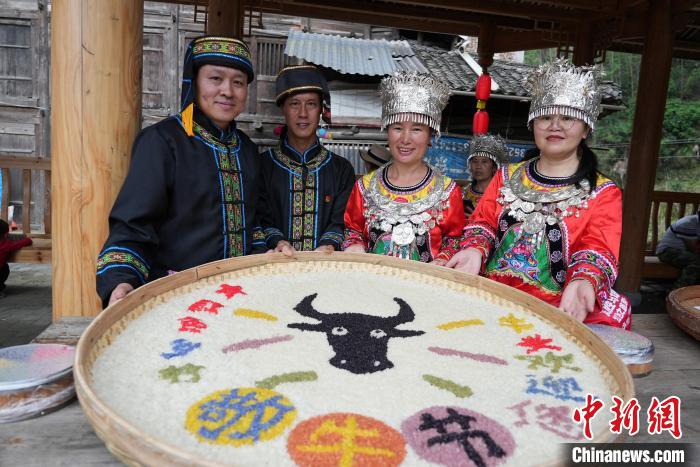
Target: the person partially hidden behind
pixel 306 186
pixel 680 247
pixel 487 153
pixel 7 246
pixel 191 193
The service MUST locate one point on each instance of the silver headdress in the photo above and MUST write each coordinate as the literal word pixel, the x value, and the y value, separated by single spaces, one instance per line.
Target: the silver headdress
pixel 409 96
pixel 562 88
pixel 491 146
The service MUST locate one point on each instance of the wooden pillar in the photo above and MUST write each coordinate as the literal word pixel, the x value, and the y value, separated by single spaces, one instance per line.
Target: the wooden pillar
pixel 96 61
pixel 646 138
pixel 485 47
pixel 225 18
pixel 584 51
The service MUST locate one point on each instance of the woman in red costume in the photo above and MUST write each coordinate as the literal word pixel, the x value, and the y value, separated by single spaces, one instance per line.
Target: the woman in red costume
pixel 551 225
pixel 406 208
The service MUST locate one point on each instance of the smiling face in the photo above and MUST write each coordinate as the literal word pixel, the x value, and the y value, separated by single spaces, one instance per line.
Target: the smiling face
pixel 408 142
pixel 482 168
pixel 221 93
pixel 558 136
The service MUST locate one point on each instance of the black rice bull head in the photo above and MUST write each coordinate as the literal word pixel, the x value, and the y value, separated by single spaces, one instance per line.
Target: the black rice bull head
pixel 359 341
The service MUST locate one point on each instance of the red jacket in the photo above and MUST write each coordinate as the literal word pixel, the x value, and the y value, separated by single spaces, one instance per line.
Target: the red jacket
pixel 8 246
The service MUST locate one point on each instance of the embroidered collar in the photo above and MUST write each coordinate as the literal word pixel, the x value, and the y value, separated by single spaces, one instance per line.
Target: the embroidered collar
pixel 306 157
pixel 538 208
pixel 291 159
pixel 213 135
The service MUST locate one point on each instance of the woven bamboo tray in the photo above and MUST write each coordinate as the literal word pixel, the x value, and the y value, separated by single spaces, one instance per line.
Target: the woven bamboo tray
pixel 680 306
pixel 135 447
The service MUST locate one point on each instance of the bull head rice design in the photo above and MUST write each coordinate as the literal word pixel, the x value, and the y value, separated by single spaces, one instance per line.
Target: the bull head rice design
pixel 359 341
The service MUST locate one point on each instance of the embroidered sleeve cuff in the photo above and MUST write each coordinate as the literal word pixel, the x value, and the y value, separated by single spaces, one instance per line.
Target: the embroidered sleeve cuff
pixel 450 246
pixel 333 239
pixel 353 237
pixel 596 268
pixel 272 237
pixel 123 259
pixel 258 237
pixel 478 236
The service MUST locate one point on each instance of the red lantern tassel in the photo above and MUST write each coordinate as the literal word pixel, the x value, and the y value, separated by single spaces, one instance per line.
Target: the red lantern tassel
pixel 481 123
pixel 482 93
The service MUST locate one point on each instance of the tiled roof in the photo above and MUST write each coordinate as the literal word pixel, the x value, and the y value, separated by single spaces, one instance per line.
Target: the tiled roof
pixel 448 66
pixel 353 56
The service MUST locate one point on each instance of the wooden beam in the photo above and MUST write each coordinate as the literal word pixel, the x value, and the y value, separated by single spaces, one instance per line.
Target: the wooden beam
pixel 386 14
pixel 502 8
pixel 512 41
pixel 584 50
pixel 225 18
pixel 96 61
pixel 645 142
pixel 485 45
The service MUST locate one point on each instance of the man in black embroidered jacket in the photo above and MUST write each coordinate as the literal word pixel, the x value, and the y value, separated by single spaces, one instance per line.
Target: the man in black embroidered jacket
pixel 191 193
pixel 306 186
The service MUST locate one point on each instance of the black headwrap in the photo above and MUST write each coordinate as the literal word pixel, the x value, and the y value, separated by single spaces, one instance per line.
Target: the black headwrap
pixel 303 78
pixel 210 50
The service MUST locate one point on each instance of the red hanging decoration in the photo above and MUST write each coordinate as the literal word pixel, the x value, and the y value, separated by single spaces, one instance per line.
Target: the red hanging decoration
pixel 482 94
pixel 483 87
pixel 481 123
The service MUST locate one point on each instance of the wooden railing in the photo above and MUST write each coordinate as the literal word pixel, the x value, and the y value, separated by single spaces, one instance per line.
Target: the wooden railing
pixel 40 251
pixel 667 207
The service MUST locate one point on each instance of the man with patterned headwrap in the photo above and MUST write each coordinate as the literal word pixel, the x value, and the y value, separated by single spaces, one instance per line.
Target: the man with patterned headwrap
pixel 306 186
pixel 486 155
pixel 406 208
pixel 190 196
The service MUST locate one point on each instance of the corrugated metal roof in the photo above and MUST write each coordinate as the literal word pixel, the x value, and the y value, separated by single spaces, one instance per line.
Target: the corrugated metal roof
pixel 353 56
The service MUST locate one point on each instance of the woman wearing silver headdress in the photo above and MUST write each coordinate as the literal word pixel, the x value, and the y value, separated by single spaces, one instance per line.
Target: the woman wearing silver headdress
pixel 405 208
pixel 486 154
pixel 551 225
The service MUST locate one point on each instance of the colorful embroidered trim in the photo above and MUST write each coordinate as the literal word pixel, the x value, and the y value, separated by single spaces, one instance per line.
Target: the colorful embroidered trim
pixel 450 246
pixel 295 377
pixel 460 324
pixel 353 237
pixel 334 237
pixel 456 389
pixel 231 49
pixel 480 236
pixel 123 257
pixel 297 168
pixel 254 314
pixel 231 185
pixel 600 263
pixel 255 343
